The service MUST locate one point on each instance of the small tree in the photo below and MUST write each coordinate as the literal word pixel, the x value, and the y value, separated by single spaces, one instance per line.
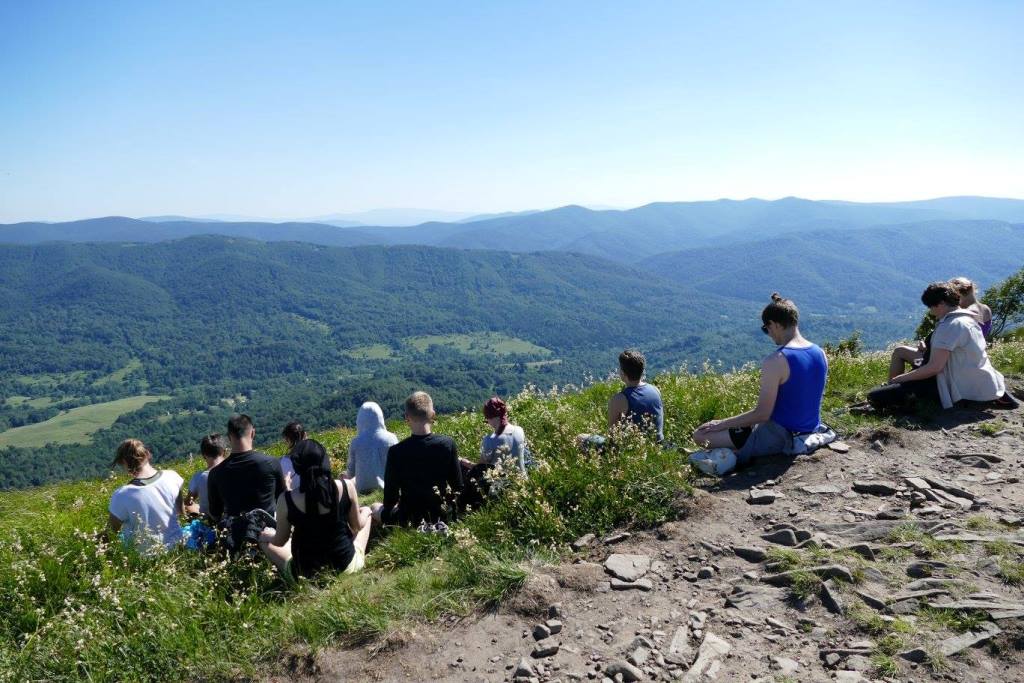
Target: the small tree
pixel 1006 299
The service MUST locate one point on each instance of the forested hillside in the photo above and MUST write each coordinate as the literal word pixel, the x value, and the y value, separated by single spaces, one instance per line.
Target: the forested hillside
pixel 879 269
pixel 287 330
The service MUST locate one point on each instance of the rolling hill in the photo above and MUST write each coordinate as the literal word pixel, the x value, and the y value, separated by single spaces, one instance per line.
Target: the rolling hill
pixel 829 272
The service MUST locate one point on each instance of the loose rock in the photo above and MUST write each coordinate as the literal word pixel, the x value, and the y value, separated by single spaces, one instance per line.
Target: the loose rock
pixel 875 488
pixel 625 669
pixel 781 537
pixel 627 567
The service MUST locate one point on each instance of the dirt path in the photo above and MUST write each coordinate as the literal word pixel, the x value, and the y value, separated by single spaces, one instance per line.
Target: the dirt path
pixel 912 517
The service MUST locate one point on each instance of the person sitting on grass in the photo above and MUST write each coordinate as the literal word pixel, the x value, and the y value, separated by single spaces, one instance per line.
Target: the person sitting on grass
pixel 292 434
pixel 423 478
pixel 969 302
pixel 247 479
pixel 789 401
pixel 319 526
pixel 505 445
pixel 958 369
pixel 638 402
pixel 213 448
pixel 145 510
pixel 368 451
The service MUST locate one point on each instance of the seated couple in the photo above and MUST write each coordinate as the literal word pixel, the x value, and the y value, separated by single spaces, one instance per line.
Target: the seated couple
pixel 955 365
pixel 788 404
pixel 638 403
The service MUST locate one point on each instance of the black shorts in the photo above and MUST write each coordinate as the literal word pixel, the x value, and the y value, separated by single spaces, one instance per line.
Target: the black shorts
pixel 740 435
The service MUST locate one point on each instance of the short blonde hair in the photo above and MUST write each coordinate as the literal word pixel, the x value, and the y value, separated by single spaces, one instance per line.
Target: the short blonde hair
pixel 419 405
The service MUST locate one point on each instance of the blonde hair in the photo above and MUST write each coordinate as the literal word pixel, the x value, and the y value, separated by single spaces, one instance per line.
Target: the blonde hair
pixel 419 405
pixel 962 285
pixel 133 454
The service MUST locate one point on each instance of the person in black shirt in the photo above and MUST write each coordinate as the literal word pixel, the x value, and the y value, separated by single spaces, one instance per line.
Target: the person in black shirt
pixel 320 526
pixel 423 477
pixel 247 479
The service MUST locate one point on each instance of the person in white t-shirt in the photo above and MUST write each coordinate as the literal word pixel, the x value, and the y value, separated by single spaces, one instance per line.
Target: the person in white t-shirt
pixel 145 510
pixel 214 448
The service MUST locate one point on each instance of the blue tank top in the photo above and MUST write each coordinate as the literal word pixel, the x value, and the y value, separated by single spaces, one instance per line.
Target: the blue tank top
pixel 798 405
pixel 645 407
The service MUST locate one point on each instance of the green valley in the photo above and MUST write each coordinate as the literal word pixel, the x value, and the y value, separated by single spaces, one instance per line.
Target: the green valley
pixel 76 426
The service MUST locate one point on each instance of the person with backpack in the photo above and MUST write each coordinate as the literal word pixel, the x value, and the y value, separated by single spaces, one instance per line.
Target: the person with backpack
pixel 243 490
pixel 320 525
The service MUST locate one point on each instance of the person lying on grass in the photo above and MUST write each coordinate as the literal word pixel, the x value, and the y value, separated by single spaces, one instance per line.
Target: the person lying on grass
pixel 958 367
pixel 319 526
pixel 145 510
pixel 788 403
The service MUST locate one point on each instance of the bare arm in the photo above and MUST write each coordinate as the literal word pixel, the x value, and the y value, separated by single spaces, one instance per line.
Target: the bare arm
pixel 353 509
pixel 618 406
pixel 774 372
pixel 935 365
pixel 114 523
pixel 284 527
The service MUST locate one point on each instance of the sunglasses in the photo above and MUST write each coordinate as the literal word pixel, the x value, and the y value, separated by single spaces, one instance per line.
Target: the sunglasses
pixel 764 328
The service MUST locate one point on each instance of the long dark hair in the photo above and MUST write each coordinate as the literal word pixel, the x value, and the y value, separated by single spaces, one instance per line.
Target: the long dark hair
pixel 313 465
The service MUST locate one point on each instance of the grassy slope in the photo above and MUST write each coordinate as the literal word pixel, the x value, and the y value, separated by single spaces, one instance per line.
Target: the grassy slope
pixel 72 607
pixel 76 425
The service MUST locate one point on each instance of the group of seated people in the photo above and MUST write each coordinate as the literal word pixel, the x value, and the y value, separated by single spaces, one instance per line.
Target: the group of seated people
pixel 305 520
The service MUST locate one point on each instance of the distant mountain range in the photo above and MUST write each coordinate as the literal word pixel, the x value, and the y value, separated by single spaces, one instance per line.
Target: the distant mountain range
pixel 828 271
pixel 626 236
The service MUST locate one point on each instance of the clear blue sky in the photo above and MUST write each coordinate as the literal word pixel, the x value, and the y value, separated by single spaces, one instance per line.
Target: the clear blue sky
pixel 306 108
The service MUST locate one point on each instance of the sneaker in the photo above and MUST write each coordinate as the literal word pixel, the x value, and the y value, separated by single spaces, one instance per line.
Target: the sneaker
pixel 1006 402
pixel 717 461
pixel 441 528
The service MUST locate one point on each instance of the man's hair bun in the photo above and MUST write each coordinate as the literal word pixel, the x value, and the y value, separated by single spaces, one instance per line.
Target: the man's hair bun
pixel 776 297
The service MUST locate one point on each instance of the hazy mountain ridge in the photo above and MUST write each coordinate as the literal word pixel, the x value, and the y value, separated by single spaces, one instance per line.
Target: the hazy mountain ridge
pixel 627 236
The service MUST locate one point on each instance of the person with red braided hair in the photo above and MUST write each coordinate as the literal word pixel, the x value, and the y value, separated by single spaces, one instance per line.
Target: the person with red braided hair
pixel 506 440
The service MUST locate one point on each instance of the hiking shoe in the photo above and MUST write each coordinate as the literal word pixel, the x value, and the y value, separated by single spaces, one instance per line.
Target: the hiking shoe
pixel 1005 402
pixel 441 528
pixel 717 461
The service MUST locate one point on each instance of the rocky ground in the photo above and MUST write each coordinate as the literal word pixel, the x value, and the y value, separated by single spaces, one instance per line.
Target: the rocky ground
pixel 895 557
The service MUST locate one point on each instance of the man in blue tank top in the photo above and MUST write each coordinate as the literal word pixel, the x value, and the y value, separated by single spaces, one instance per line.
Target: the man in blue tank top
pixel 789 403
pixel 638 401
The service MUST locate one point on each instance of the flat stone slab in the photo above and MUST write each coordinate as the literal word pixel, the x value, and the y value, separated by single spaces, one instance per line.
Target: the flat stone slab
pixel 680 651
pixel 875 487
pixel 627 567
pixel 831 598
pixel 625 669
pixel 820 489
pixel 545 649
pixel 762 497
pixel 638 585
pixel 828 571
pixel 781 537
pixel 711 651
pixel 750 553
pixel 956 644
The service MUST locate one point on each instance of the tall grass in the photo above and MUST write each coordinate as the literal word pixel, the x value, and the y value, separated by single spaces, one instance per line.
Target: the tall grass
pixel 74 607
